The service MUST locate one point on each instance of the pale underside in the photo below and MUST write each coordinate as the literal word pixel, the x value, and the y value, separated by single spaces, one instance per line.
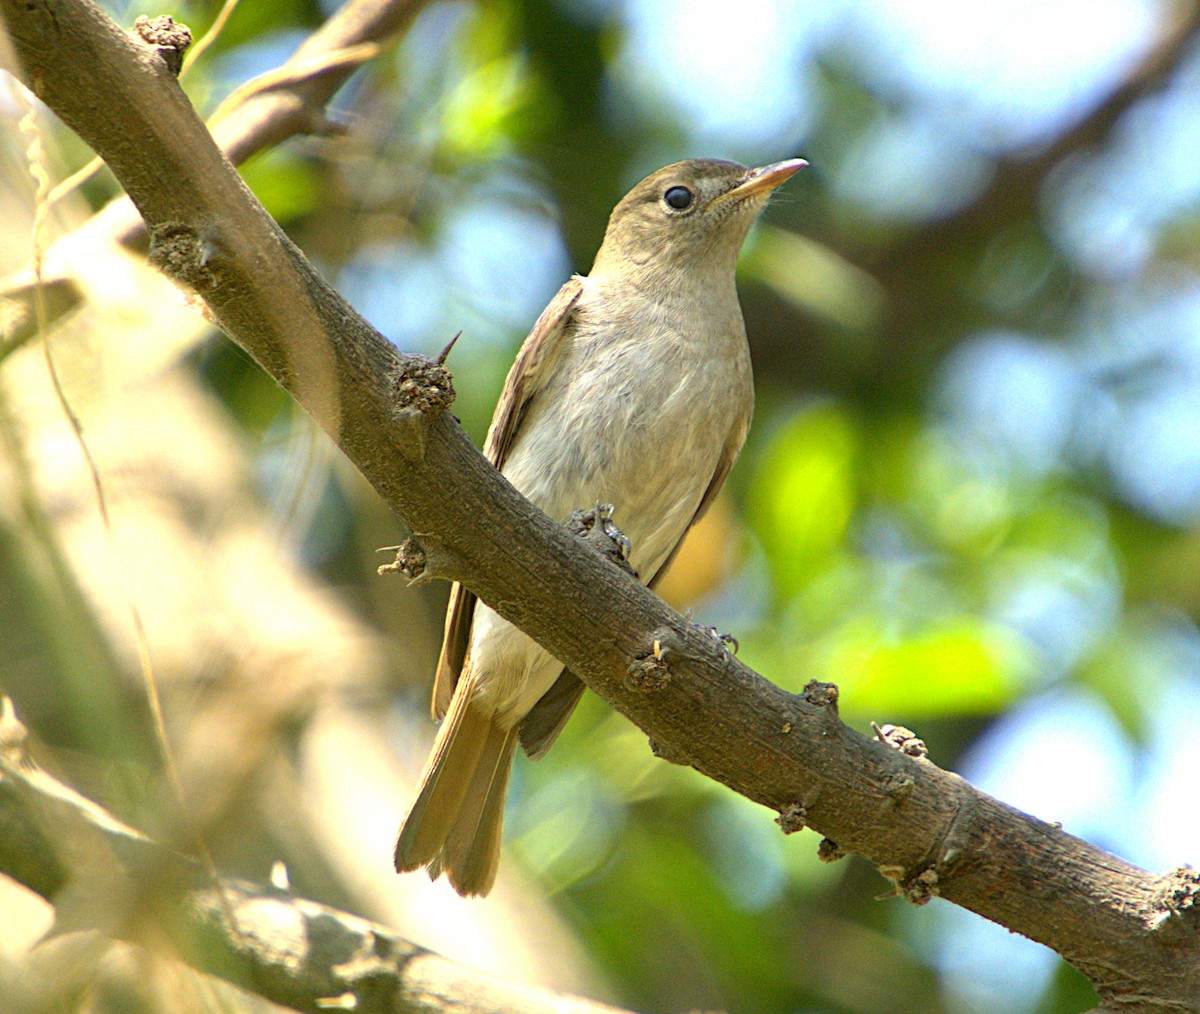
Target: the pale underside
pixel 657 446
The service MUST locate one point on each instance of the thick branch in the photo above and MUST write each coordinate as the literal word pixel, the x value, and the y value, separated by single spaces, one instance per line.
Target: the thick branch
pixel 1132 932
pixel 290 950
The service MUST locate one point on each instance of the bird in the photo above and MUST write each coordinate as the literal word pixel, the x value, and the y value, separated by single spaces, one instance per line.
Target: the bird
pixel 633 388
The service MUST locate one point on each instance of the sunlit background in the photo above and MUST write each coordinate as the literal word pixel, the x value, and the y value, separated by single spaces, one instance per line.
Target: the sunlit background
pixel 971 496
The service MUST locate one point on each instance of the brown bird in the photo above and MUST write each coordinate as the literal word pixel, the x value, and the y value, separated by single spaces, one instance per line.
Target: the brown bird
pixel 634 389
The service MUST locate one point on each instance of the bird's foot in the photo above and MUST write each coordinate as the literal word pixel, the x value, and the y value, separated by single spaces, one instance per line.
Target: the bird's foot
pixel 596 527
pixel 726 641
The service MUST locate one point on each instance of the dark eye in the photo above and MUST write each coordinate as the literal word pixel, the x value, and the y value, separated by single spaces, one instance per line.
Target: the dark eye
pixel 678 198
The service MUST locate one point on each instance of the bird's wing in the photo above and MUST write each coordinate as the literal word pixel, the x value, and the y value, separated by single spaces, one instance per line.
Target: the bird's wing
pixel 540 728
pixel 525 379
pixel 546 719
pixel 529 372
pixel 729 454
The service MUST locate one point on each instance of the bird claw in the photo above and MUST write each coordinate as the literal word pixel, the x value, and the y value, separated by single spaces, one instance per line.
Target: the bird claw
pixel 604 512
pixel 596 526
pixel 726 641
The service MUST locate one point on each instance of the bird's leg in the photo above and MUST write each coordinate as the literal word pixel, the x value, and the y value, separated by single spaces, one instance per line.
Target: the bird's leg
pixel 596 527
pixel 727 641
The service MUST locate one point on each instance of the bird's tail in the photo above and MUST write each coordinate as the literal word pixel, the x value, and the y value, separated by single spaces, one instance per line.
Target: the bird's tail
pixel 454 826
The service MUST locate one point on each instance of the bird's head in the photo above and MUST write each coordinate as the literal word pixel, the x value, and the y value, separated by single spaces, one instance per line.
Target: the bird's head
pixel 690 217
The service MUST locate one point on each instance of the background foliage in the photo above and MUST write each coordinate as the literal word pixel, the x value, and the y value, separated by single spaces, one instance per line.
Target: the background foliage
pixel 970 496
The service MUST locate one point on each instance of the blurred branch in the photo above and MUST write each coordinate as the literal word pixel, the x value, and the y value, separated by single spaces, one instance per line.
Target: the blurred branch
pixel 1133 933
pixel 1016 187
pixel 285 102
pixel 291 100
pixel 914 269
pixel 18 308
pixel 102 875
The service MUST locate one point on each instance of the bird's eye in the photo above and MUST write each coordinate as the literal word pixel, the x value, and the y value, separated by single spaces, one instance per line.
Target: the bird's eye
pixel 678 198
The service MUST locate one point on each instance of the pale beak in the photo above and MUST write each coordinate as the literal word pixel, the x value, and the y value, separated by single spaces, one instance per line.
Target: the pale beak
pixel 762 179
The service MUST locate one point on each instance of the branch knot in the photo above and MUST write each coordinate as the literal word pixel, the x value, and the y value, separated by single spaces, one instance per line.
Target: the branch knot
pixel 595 526
pixel 918 890
pixel 923 888
pixel 168 36
pixel 898 787
pixel 821 695
pixel 185 255
pixel 829 851
pixel 792 818
pixel 422 385
pixel 420 558
pixel 900 738
pixel 1179 908
pixel 649 672
pixel 410 559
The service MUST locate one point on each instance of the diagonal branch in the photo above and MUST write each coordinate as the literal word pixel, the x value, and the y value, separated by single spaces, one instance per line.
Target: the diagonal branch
pixel 1133 933
pixel 292 99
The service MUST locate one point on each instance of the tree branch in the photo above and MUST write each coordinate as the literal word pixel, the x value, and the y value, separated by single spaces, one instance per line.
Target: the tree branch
pixel 289 950
pixel 285 102
pixel 1133 933
pixel 292 99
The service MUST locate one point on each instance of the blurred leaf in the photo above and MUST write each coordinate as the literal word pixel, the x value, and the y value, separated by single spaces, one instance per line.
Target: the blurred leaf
pixel 665 896
pixel 1112 671
pixel 567 827
pixel 1067 526
pixel 252 20
pixel 803 493
pixel 1130 667
pixel 287 185
pixel 486 110
pixel 956 666
pixel 959 499
pixel 815 278
pixel 499 98
pixel 1067 991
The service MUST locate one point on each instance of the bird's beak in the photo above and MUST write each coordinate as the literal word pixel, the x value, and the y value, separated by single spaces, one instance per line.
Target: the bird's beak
pixel 762 179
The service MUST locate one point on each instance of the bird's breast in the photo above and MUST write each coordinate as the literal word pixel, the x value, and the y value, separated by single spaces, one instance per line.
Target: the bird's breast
pixel 637 413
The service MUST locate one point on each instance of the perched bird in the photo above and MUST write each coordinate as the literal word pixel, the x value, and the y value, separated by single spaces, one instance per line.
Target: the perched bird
pixel 634 389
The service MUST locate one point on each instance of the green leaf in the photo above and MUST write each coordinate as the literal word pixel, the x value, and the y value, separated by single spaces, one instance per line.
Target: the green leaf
pixel 803 494
pixel 956 665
